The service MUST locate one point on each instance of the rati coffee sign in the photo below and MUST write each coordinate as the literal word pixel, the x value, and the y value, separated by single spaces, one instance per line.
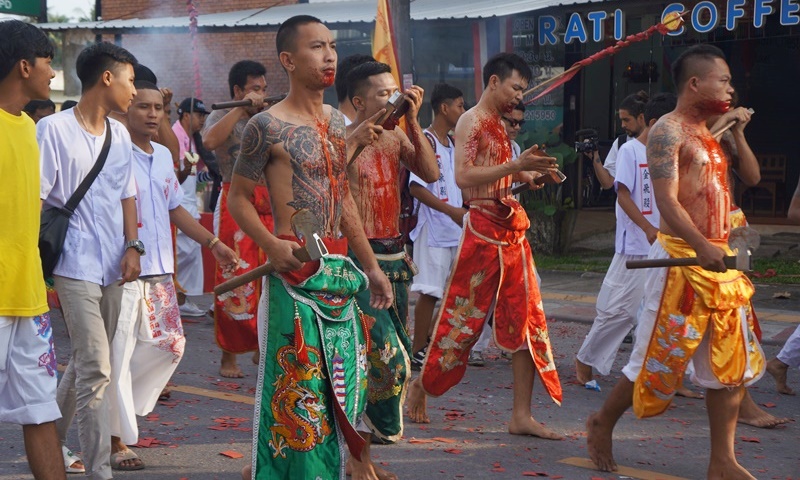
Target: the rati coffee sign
pixel 31 8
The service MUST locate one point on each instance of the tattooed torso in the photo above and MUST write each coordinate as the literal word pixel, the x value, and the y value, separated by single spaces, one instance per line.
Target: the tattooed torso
pixel 313 157
pixel 487 145
pixel 227 152
pixel 689 155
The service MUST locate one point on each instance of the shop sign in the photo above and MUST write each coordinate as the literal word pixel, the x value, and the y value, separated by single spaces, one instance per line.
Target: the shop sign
pixel 703 17
pixel 31 8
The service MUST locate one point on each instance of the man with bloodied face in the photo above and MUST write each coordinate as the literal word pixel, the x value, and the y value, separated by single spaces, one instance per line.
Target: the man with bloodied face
pixel 375 182
pixel 700 313
pixel 311 332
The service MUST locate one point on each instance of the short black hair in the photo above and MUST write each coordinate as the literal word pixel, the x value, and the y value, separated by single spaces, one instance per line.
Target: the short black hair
pixel 660 105
pixel 634 103
pixel 240 71
pixel 142 72
pixel 503 65
pixel 520 106
pixel 98 58
pixel 284 40
pixel 685 66
pixel 443 93
pixel 67 105
pixel 34 105
pixel 21 41
pixel 344 68
pixel 145 85
pixel 359 76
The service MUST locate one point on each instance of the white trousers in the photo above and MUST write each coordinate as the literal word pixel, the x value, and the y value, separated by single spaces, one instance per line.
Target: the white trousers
pixel 790 353
pixel 189 256
pixel 617 305
pixel 145 351
pixel 703 374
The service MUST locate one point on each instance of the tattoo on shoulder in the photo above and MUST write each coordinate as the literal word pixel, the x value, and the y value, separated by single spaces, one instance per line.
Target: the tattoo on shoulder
pixel 662 151
pixel 260 134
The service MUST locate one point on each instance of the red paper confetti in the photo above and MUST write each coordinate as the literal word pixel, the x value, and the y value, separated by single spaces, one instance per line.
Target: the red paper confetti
pixel 231 454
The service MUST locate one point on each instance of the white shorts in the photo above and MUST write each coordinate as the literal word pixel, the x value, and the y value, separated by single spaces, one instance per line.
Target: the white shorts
pixel 434 263
pixel 27 371
pixel 703 376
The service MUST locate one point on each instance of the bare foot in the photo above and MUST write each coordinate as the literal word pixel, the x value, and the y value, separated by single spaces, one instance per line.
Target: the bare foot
pixel 728 471
pixel 361 471
pixel 583 372
pixel 529 426
pixel 247 472
pixel 778 370
pixel 598 442
pixel 417 402
pixel 751 414
pixel 682 391
pixel 228 367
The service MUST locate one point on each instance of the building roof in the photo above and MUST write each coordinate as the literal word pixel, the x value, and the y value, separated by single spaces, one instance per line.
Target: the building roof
pixel 330 11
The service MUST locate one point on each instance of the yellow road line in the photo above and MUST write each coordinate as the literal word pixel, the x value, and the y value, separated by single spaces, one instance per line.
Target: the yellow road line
pixel 621 470
pixel 568 297
pixel 204 392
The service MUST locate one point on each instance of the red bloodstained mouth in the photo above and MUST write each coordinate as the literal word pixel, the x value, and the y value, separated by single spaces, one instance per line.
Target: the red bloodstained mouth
pixel 329 77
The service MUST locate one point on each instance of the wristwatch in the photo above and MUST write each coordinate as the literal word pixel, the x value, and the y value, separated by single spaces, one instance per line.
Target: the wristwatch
pixel 136 245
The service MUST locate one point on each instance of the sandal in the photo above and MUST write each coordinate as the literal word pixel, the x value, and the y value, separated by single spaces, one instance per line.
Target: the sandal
pixel 121 456
pixel 71 459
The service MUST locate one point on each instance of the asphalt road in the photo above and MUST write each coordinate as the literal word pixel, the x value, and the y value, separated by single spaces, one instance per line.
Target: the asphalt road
pixel 467 438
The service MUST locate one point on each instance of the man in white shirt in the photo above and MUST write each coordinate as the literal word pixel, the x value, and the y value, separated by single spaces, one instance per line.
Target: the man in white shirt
pixel 440 214
pixel 637 227
pixel 191 118
pixel 149 341
pixel 630 116
pixel 102 249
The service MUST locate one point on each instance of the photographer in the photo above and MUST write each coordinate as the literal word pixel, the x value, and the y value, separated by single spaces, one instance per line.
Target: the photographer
pixel 631 115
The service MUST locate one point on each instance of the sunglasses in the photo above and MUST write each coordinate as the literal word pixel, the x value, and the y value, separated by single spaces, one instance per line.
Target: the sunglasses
pixel 514 123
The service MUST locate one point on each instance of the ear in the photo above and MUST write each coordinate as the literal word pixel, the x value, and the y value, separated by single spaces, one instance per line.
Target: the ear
pixel 358 103
pixel 106 78
pixel 692 83
pixel 237 91
pixel 494 81
pixel 25 68
pixel 286 61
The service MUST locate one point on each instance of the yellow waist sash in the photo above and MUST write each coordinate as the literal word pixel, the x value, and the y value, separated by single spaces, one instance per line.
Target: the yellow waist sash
pixel 696 302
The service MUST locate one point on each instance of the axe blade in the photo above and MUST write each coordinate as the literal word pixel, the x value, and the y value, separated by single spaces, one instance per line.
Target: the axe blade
pixel 306 226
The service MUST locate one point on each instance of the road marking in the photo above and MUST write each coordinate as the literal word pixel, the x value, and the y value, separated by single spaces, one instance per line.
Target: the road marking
pixel 569 297
pixel 204 392
pixel 621 470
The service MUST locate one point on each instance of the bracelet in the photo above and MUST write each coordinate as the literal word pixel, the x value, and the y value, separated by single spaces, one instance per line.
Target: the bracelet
pixel 212 242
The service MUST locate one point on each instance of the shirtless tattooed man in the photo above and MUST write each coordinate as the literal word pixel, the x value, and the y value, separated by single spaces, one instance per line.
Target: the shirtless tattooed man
pixel 686 314
pixel 312 370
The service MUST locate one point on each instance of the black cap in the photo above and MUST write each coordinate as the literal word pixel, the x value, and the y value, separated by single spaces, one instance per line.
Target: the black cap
pixel 186 106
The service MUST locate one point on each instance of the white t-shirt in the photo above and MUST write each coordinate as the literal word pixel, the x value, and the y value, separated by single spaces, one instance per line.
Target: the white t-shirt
pixel 633 173
pixel 442 231
pixel 611 159
pixel 95 239
pixel 158 192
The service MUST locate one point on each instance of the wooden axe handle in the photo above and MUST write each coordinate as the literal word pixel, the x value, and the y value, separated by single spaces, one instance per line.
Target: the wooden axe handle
pixel 255 274
pixel 730 262
pixel 380 121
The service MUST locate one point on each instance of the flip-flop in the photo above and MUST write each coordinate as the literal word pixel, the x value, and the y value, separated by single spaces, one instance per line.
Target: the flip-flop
pixel 70 459
pixel 121 456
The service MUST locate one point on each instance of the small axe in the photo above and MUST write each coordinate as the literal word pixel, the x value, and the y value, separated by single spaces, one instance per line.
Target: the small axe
pixel 742 240
pixel 305 226
pixel 396 107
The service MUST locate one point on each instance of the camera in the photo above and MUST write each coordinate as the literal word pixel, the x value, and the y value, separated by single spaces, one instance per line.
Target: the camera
pixel 587 141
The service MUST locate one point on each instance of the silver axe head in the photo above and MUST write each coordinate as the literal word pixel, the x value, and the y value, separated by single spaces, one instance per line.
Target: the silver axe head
pixel 743 241
pixel 306 226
